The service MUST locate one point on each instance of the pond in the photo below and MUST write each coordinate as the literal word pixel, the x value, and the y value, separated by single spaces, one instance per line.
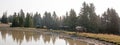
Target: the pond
pixel 15 37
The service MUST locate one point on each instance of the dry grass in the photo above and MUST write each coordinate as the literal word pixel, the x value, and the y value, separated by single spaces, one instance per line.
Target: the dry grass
pixel 105 37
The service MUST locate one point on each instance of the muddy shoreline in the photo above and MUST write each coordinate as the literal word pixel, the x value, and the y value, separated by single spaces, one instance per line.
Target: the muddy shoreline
pixel 91 41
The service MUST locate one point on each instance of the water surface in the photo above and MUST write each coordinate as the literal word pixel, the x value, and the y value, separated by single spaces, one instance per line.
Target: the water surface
pixel 15 37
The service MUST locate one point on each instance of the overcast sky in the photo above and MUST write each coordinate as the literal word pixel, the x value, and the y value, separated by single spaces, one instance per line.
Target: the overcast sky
pixel 59 6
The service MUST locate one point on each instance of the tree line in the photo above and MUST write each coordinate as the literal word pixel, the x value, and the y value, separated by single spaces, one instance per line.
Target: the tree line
pixel 108 22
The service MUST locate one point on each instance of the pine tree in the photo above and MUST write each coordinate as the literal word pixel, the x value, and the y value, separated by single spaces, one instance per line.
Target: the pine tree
pixel 47 20
pixel 10 18
pixel 65 20
pixel 55 21
pixel 37 20
pixel 104 22
pixel 72 19
pixel 4 18
pixel 28 20
pixel 21 18
pixel 15 21
pixel 87 18
pixel 94 26
pixel 83 18
pixel 111 21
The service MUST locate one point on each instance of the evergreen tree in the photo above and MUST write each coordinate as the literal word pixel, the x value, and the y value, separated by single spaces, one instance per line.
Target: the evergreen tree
pixel 94 26
pixel 83 18
pixel 88 18
pixel 72 19
pixel 15 21
pixel 47 20
pixel 21 18
pixel 10 18
pixel 66 20
pixel 4 18
pixel 111 21
pixel 104 22
pixel 28 20
pixel 55 21
pixel 37 20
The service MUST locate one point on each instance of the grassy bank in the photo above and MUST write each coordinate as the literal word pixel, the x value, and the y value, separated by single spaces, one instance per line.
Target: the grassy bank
pixel 104 37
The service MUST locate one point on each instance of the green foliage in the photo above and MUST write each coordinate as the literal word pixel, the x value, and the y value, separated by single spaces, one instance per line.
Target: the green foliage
pixel 87 18
pixel 110 20
pixel 47 20
pixel 4 18
pixel 28 20
pixel 21 18
pixel 37 20
pixel 72 19
pixel 65 20
pixel 83 19
pixel 10 18
pixel 15 22
pixel 55 21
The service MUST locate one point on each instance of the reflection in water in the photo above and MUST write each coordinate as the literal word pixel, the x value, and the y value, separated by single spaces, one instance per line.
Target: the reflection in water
pixel 3 34
pixel 16 37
